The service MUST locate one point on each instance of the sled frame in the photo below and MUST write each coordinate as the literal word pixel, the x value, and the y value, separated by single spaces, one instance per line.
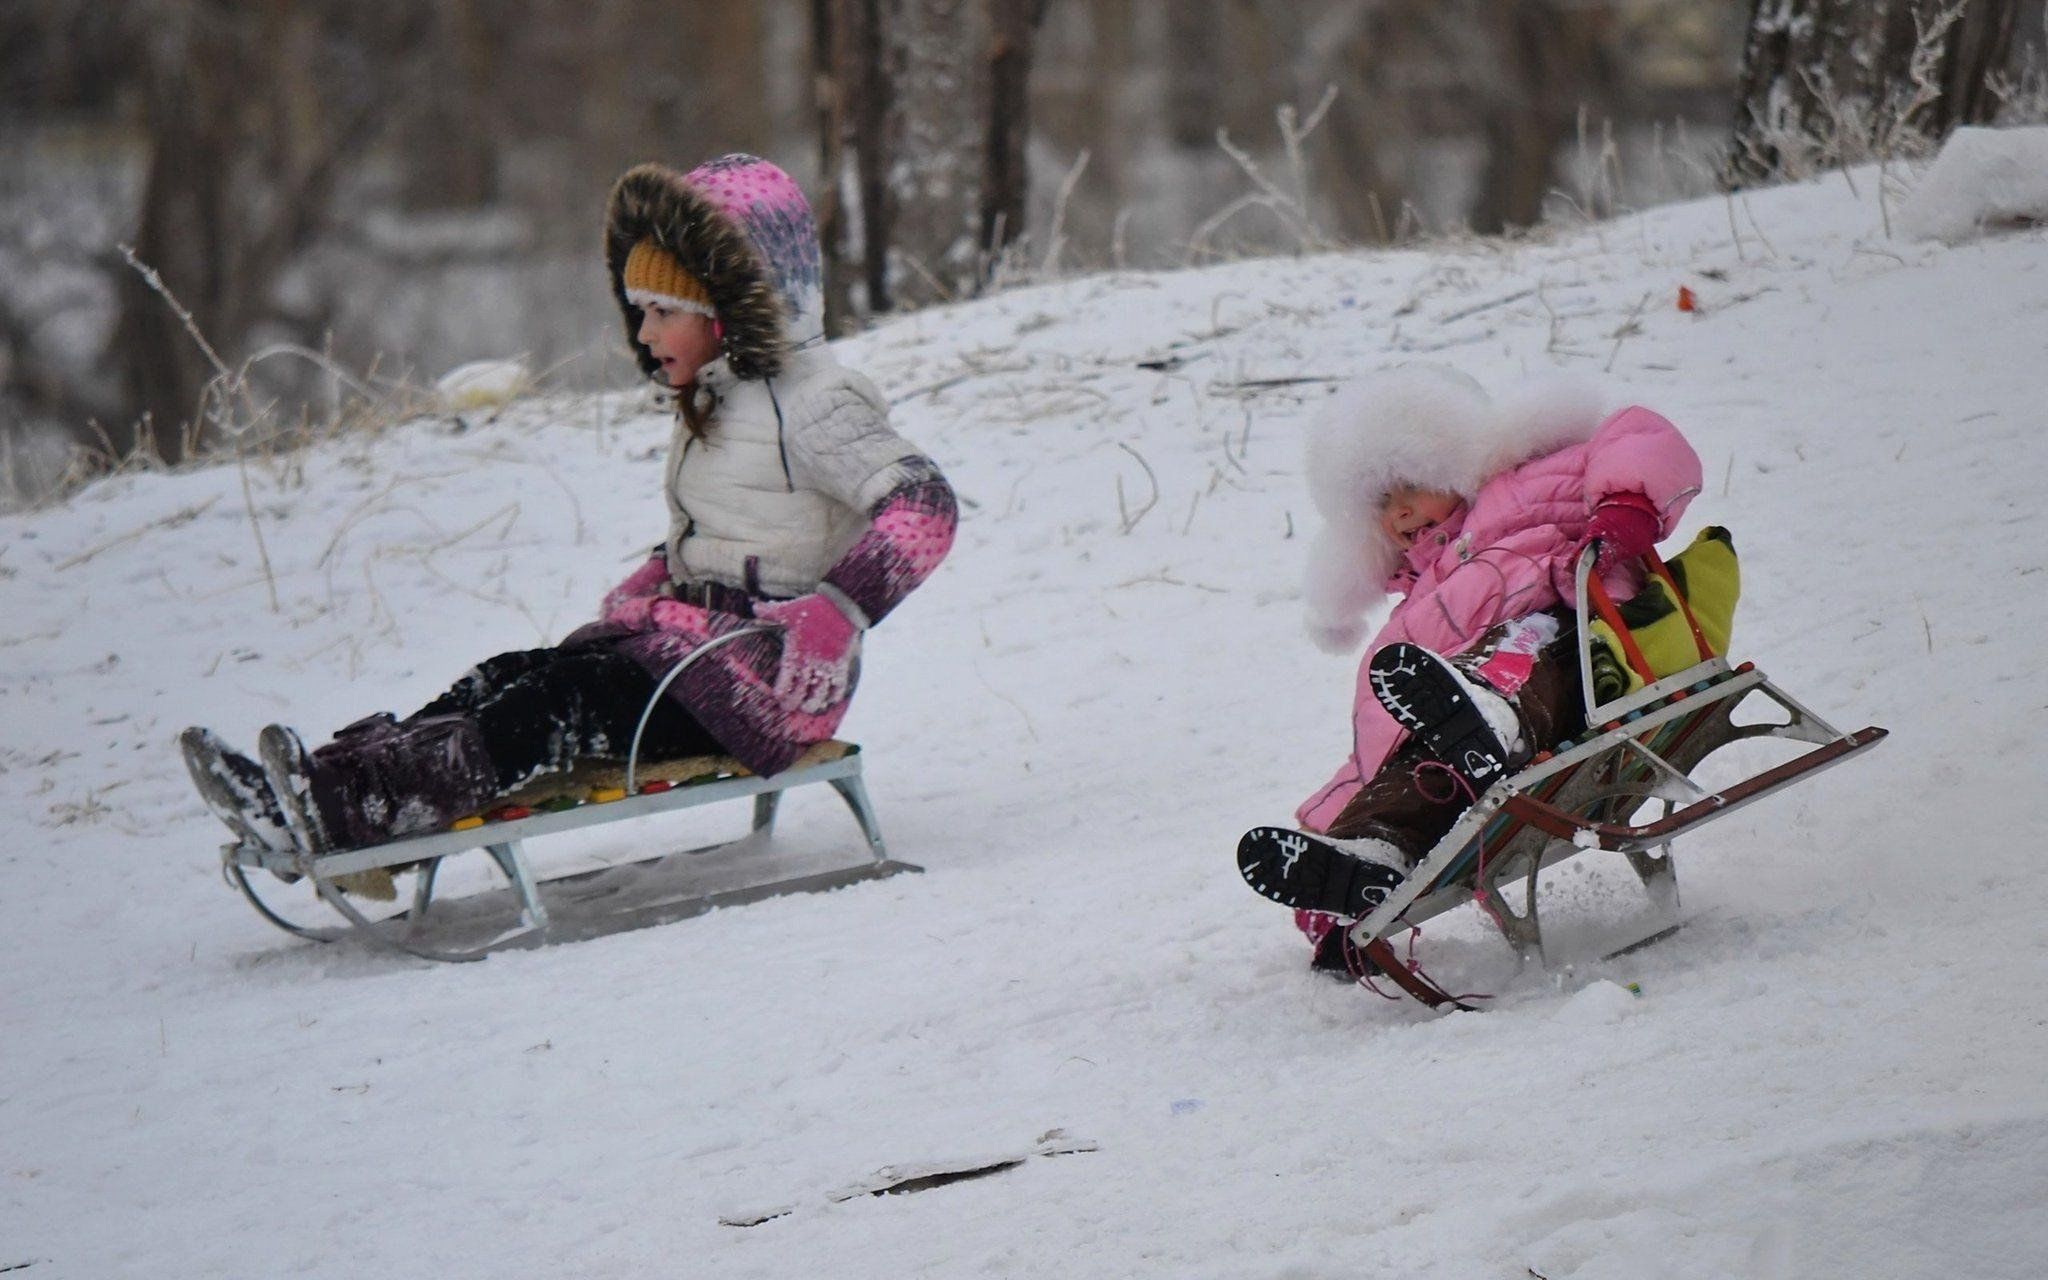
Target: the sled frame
pixel 412 931
pixel 1637 751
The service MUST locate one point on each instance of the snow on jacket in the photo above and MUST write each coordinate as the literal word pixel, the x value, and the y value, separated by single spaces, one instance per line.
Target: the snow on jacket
pixel 797 484
pixel 1531 472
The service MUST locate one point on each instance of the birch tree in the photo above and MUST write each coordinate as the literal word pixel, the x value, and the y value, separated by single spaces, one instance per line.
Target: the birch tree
pixel 923 119
pixel 1840 80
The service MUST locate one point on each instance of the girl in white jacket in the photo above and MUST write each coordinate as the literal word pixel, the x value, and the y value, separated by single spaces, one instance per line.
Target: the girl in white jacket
pixel 794 509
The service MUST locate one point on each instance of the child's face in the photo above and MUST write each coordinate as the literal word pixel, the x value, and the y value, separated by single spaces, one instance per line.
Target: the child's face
pixel 682 341
pixel 1407 512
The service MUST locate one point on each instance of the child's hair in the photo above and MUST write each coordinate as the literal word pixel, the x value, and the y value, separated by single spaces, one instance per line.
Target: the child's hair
pixel 695 405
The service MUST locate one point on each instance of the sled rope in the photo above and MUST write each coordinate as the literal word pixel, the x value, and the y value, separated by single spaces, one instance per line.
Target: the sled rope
pixel 1458 783
pixel 1699 637
pixel 1408 976
pixel 1604 603
pixel 1361 966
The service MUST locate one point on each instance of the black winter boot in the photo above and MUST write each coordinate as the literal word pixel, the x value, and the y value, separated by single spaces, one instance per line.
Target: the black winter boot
pixel 379 782
pixel 234 788
pixel 1337 958
pixel 1459 721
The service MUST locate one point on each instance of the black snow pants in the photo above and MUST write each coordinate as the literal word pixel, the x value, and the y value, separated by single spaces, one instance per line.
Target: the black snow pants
pixel 541 710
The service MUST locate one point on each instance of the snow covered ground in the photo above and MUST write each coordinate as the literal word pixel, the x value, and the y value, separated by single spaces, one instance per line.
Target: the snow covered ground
pixel 1836 1071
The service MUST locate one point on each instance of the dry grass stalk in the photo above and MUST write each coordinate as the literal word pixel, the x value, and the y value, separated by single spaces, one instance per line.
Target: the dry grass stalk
pixel 1126 517
pixel 1291 207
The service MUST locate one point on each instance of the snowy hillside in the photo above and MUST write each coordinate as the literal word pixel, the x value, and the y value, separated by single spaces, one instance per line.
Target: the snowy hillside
pixel 1835 1071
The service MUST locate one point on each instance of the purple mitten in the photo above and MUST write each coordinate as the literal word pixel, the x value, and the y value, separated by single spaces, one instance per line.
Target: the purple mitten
pixel 817 652
pixel 1626 527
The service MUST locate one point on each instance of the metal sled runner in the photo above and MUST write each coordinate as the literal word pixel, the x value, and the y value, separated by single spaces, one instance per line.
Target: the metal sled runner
pixel 577 906
pixel 1637 753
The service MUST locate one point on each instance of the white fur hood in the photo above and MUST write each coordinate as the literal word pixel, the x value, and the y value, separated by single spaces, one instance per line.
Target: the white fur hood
pixel 1423 425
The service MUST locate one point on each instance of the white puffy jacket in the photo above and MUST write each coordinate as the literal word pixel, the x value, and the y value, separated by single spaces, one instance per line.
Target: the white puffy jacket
pixel 782 482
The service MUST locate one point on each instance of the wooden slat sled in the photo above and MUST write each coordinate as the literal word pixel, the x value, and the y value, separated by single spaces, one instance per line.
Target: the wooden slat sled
pixel 1636 756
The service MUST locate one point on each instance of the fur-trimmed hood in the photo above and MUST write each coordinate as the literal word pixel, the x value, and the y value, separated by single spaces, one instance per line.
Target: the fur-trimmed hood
pixel 1424 425
pixel 742 227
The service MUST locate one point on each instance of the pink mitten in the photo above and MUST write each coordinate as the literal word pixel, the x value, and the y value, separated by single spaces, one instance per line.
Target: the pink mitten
pixel 1626 527
pixel 627 603
pixel 631 611
pixel 817 652
pixel 681 619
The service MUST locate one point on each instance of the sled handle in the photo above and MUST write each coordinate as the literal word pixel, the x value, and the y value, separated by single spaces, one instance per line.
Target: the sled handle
pixel 633 755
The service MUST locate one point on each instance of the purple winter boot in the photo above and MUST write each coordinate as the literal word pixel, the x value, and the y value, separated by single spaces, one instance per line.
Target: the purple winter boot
pixel 378 780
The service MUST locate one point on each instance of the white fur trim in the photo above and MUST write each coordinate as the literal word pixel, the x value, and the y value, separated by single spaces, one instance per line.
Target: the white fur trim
pixel 644 298
pixel 1347 567
pixel 1542 415
pixel 1423 425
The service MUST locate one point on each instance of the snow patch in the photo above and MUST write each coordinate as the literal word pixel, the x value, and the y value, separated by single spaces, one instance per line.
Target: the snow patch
pixel 1067 727
pixel 483 384
pixel 1597 1005
pixel 1956 1199
pixel 1983 179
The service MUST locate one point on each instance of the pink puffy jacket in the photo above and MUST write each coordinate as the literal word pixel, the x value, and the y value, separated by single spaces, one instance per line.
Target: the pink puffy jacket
pixel 1506 554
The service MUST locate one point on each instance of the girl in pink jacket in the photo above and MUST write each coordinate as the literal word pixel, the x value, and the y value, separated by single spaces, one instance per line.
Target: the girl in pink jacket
pixel 1472 512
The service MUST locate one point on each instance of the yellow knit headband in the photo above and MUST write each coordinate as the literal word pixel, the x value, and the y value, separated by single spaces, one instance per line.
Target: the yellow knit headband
pixel 654 277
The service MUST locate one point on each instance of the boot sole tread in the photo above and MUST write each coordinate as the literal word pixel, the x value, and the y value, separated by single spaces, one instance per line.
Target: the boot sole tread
pixel 1298 870
pixel 1422 696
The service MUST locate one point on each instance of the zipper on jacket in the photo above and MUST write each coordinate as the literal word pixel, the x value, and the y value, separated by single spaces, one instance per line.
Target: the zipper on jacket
pixel 781 444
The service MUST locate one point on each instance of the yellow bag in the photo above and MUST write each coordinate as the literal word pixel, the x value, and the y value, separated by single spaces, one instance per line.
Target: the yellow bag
pixel 1659 622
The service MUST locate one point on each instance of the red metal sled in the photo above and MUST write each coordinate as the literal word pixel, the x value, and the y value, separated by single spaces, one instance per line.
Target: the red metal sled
pixel 1638 753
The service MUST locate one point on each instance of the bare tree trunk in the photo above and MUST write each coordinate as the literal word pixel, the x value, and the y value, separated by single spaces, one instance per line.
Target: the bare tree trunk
pixel 866 88
pixel 1197 71
pixel 1980 47
pixel 1548 65
pixel 194 63
pixel 924 118
pixel 1846 78
pixel 249 130
pixel 1104 125
pixel 828 85
pixel 941 106
pixel 1006 180
pixel 726 47
pixel 451 142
